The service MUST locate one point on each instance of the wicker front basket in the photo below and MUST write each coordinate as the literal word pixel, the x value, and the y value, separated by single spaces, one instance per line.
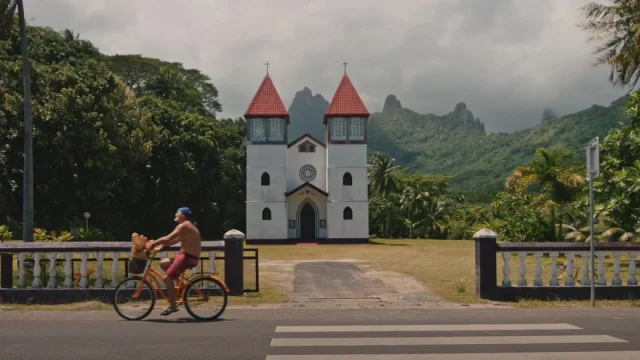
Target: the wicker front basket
pixel 136 266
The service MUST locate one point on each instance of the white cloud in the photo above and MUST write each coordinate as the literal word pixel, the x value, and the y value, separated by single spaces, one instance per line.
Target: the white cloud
pixel 506 59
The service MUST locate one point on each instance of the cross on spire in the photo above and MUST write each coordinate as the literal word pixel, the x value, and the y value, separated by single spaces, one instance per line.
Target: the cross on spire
pixel 345 66
pixel 267 64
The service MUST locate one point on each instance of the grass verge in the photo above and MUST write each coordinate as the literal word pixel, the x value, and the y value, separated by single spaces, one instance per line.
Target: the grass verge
pixel 269 294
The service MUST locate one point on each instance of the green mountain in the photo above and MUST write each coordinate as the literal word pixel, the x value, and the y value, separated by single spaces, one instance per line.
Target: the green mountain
pixel 306 112
pixel 456 143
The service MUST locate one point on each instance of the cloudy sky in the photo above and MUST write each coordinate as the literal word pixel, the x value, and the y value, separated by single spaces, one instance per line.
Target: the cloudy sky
pixel 506 59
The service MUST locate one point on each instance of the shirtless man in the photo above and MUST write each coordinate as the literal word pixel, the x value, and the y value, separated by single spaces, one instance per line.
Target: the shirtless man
pixel 188 236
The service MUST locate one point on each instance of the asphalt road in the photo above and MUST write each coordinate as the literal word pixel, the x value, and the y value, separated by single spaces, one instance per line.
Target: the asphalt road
pixel 448 334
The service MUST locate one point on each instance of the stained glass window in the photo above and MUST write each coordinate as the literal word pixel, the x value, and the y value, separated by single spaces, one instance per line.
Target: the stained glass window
pixel 338 129
pixel 276 129
pixel 356 129
pixel 258 132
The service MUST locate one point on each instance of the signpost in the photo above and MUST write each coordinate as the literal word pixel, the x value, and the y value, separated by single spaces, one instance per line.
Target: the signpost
pixel 593 170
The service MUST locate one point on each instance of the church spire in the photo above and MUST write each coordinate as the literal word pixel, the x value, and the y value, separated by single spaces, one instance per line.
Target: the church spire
pixel 267 102
pixel 346 101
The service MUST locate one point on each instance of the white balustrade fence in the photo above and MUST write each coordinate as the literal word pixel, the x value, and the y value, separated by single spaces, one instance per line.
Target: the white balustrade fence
pixel 567 265
pixel 91 266
pixel 507 271
pixel 98 266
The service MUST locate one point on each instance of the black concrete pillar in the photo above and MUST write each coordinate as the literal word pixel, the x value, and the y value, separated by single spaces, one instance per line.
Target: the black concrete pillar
pixel 6 268
pixel 486 274
pixel 234 261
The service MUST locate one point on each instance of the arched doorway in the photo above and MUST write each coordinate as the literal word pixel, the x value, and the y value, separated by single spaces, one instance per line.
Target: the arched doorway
pixel 307 222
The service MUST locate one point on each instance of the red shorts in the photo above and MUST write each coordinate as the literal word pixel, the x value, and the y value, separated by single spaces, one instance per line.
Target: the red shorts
pixel 181 263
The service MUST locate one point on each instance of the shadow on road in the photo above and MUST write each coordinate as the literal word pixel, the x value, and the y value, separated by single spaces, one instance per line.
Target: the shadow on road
pixel 185 320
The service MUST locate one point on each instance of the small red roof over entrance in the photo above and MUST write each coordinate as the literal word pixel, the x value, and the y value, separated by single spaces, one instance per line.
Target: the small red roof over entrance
pixel 266 102
pixel 346 101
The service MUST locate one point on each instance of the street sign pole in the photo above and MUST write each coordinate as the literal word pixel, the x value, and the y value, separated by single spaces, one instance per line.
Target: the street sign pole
pixel 593 170
pixel 593 286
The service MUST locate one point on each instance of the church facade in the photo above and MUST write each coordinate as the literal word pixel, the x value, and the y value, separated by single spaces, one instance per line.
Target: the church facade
pixel 307 189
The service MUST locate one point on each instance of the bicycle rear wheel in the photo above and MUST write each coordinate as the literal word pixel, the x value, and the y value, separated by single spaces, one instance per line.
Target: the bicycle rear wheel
pixel 134 295
pixel 205 298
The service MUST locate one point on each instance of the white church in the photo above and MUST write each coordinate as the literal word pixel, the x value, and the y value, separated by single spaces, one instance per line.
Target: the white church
pixel 307 190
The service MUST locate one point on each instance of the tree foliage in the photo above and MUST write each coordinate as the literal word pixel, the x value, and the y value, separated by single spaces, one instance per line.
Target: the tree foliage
pixel 130 138
pixel 127 155
pixel 618 24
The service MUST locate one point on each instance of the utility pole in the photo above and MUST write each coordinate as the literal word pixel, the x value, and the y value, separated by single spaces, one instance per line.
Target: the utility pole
pixel 593 171
pixel 27 202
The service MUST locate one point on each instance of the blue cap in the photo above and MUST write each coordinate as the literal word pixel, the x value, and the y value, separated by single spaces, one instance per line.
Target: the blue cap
pixel 185 211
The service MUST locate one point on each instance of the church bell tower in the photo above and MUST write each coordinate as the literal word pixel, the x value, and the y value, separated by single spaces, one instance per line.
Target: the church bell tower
pixel 266 185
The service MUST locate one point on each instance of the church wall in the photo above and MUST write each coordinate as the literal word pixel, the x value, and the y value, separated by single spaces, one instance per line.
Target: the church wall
pixel 357 191
pixel 293 204
pixel 270 159
pixel 356 228
pixel 296 159
pixel 350 158
pixel 276 228
pixel 347 155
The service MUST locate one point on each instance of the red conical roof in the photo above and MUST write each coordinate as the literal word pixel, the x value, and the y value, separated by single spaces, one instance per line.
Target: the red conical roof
pixel 346 101
pixel 266 102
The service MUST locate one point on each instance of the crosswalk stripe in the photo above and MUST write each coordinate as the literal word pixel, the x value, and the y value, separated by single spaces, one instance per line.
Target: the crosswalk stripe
pixel 389 328
pixel 595 355
pixel 463 340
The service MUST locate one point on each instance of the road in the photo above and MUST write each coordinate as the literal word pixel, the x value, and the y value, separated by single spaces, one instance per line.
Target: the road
pixel 447 334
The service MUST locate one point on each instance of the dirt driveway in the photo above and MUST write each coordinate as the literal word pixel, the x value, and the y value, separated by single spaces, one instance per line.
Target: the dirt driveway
pixel 346 284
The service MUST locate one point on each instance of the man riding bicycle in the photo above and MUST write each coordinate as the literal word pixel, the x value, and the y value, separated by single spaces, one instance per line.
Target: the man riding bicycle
pixel 187 234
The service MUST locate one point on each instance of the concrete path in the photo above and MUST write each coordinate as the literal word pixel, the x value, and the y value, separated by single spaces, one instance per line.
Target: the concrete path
pixel 336 280
pixel 449 334
pixel 353 285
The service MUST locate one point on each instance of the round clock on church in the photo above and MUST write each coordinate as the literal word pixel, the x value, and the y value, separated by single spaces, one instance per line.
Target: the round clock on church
pixel 307 173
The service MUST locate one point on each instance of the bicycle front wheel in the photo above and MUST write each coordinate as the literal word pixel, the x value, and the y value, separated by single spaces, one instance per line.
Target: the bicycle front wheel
pixel 205 298
pixel 134 298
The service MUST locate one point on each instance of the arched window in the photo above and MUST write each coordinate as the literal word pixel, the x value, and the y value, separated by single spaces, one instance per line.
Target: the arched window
pixel 265 180
pixel 266 214
pixel 306 146
pixel 347 180
pixel 347 214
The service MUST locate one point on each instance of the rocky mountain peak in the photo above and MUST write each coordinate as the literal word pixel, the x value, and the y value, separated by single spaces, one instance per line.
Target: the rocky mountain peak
pixel 548 114
pixel 462 115
pixel 392 106
pixel 306 111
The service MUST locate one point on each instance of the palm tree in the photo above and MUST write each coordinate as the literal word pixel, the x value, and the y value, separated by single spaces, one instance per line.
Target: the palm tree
pixel 7 12
pixel 382 180
pixel 552 171
pixel 619 25
pixel 411 202
pixel 435 215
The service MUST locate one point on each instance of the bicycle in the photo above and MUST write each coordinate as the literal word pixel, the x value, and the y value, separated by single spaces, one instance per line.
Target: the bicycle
pixel 151 279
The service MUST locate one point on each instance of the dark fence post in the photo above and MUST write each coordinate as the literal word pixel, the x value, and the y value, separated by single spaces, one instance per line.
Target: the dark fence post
pixel 6 268
pixel 485 242
pixel 234 261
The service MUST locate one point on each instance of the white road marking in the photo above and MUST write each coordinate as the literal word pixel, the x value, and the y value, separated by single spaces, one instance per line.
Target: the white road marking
pixel 596 355
pixel 447 340
pixel 470 327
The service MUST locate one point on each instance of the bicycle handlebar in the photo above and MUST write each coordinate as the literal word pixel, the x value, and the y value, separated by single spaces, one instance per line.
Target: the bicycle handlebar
pixel 153 251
